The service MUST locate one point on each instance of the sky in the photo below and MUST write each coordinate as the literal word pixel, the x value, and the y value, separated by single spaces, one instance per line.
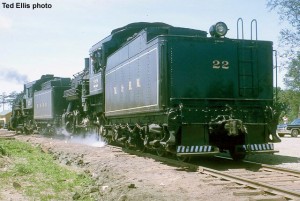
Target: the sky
pixel 56 39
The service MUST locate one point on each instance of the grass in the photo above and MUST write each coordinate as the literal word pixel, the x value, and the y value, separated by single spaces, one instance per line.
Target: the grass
pixel 37 175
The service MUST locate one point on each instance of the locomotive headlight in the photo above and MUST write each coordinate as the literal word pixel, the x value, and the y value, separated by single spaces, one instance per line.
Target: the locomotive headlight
pixel 218 30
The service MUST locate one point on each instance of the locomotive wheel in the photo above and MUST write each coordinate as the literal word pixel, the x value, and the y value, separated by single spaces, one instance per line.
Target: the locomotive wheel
pixel 160 151
pixel 108 140
pixel 236 156
pixel 126 145
pixel 183 158
pixel 140 146
pixel 100 131
pixel 142 149
pixel 294 133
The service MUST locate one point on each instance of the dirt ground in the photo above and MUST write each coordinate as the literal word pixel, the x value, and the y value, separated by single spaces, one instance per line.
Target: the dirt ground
pixel 121 176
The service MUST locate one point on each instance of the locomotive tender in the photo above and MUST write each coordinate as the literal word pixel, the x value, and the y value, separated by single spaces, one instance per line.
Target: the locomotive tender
pixel 40 105
pixel 173 89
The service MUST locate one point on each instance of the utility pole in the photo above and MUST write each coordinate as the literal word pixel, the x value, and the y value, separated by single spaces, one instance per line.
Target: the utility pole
pixel 3 100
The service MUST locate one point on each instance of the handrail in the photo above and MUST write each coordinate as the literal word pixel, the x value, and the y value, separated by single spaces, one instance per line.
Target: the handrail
pixel 237 27
pixel 276 74
pixel 254 20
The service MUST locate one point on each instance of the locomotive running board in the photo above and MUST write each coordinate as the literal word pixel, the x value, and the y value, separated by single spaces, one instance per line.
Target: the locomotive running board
pixel 262 152
pixel 259 148
pixel 197 150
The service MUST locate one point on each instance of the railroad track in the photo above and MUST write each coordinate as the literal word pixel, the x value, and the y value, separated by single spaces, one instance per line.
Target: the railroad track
pixel 4 135
pixel 277 179
pixel 259 182
pixel 266 180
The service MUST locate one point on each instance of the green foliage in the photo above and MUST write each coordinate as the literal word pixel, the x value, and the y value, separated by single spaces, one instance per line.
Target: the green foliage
pixel 290 97
pixel 23 169
pixel 39 176
pixel 292 77
pixel 289 104
pixel 289 11
pixel 2 151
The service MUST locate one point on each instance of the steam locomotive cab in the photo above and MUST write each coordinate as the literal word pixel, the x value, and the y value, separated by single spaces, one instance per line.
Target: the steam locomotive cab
pixel 95 95
pixel 22 111
pixel 16 120
pixel 85 98
pixel 73 116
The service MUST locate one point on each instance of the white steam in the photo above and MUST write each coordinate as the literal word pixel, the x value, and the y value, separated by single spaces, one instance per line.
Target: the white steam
pixel 90 138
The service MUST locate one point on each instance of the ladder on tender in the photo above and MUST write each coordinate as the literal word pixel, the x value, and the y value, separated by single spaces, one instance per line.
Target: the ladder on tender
pixel 247 69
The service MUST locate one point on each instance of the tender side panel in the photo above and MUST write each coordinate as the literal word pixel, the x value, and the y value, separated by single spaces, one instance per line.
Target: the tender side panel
pixel 133 85
pixel 43 105
pixel 49 103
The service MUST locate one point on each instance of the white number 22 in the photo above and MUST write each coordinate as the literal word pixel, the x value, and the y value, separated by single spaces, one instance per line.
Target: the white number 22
pixel 220 64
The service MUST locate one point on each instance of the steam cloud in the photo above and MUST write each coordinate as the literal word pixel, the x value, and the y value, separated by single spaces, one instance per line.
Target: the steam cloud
pixel 13 76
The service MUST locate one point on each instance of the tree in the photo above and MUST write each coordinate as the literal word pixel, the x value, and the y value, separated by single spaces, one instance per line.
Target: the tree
pixel 292 77
pixel 289 103
pixel 292 82
pixel 3 100
pixel 11 97
pixel 289 11
pixel 7 99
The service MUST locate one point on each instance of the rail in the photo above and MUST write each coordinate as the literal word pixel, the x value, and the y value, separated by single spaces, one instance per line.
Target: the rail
pixel 250 180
